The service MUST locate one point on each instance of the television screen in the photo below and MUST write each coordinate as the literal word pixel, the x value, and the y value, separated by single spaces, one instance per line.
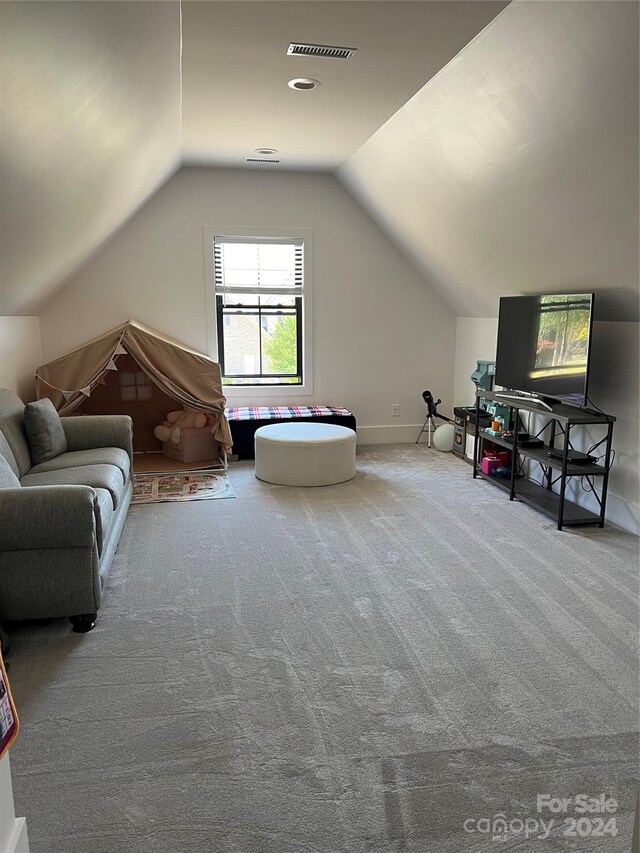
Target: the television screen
pixel 544 343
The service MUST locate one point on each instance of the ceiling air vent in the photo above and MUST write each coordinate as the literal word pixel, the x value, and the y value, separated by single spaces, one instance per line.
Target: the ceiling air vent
pixel 327 50
pixel 260 160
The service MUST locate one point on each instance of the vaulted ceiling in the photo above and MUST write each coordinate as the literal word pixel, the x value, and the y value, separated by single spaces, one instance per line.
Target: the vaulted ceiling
pixel 496 144
pixel 92 104
pixel 90 128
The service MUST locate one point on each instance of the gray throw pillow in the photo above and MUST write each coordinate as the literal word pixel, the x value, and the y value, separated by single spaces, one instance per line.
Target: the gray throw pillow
pixel 8 479
pixel 44 431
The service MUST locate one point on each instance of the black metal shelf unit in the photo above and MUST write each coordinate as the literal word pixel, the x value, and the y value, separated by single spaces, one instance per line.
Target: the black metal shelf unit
pixel 559 422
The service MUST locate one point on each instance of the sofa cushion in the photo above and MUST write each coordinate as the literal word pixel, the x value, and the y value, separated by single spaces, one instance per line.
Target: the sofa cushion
pixel 44 431
pixel 8 479
pixel 7 453
pixel 12 427
pixel 97 476
pixel 104 516
pixel 97 456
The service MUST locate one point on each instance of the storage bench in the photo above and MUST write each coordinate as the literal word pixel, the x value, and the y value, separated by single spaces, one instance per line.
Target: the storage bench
pixel 244 421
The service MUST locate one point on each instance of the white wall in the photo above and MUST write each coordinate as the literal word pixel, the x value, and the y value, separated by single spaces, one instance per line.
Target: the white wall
pixel 380 334
pixel 20 354
pixel 475 341
pixel 614 386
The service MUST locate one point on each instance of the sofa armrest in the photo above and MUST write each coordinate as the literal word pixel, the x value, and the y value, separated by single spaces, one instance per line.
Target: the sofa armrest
pixel 84 432
pixel 47 517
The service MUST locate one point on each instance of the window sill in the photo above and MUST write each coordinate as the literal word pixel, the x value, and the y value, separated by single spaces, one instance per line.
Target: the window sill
pixel 246 393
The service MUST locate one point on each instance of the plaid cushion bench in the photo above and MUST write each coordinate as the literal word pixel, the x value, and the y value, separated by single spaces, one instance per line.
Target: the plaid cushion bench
pixel 245 420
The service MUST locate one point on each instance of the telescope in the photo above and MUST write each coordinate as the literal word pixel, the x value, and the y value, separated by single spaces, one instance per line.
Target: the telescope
pixel 432 412
pixel 432 406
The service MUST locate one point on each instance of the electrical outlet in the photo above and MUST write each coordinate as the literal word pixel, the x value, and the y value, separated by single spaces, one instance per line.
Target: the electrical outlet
pixel 395 410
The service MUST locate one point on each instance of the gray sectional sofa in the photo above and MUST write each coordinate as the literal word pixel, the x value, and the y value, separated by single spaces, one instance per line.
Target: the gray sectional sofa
pixel 60 521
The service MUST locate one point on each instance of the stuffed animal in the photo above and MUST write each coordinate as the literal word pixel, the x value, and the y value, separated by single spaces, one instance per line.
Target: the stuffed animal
pixel 171 429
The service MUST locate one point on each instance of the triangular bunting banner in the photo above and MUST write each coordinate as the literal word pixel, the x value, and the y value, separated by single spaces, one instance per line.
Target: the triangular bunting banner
pixel 120 350
pixel 67 394
pixel 86 391
pixel 111 365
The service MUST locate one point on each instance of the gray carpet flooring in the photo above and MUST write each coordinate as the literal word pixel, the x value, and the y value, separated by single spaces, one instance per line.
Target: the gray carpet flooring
pixel 361 667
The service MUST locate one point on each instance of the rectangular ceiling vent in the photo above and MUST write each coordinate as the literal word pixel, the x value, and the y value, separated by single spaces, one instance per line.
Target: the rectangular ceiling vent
pixel 326 50
pixel 260 160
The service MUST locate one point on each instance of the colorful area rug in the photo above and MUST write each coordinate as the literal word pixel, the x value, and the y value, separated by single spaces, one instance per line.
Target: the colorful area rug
pixel 181 486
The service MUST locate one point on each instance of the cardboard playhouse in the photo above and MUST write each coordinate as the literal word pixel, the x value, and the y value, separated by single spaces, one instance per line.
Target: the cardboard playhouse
pixel 136 371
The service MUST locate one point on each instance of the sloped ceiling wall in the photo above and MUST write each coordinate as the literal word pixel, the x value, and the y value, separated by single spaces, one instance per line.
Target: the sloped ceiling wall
pixel 91 127
pixel 515 169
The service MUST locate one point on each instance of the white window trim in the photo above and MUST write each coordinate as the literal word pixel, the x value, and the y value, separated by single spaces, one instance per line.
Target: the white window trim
pixel 241 393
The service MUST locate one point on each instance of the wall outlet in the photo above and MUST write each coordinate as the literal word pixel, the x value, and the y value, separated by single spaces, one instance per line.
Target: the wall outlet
pixel 395 410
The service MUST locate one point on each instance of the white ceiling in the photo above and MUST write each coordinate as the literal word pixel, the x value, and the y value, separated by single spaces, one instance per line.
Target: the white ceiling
pixel 236 69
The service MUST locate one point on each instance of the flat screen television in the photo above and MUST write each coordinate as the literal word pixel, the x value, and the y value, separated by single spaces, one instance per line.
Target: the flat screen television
pixel 544 344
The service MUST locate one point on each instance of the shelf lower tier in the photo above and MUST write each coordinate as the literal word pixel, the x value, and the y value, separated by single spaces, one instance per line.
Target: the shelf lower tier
pixel 541 455
pixel 545 501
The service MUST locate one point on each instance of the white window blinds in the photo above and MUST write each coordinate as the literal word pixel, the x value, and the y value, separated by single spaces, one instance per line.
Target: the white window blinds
pixel 244 265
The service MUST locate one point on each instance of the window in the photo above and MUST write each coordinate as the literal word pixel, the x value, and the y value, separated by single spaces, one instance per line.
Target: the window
pixel 134 386
pixel 259 290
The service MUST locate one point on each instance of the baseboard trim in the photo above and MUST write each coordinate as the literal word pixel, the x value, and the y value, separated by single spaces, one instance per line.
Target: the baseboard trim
pixel 401 434
pixel 623 514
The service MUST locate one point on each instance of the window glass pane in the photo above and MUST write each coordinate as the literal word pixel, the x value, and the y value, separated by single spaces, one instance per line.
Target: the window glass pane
pixel 242 344
pixel 279 350
pixel 241 299
pixel 253 299
pixel 134 386
pixel 277 299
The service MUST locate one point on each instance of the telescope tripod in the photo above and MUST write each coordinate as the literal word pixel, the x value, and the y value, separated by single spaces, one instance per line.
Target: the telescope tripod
pixel 427 427
pixel 432 412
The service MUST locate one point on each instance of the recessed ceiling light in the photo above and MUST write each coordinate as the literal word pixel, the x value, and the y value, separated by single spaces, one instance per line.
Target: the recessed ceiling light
pixel 303 84
pixel 266 150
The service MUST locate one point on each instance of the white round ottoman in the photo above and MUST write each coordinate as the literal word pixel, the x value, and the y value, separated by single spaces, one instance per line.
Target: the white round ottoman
pixel 304 454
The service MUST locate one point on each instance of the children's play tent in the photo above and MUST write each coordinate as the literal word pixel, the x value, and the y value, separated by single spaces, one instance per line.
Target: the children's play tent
pixel 135 371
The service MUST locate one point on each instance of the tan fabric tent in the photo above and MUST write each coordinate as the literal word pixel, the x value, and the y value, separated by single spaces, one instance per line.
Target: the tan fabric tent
pixel 137 371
